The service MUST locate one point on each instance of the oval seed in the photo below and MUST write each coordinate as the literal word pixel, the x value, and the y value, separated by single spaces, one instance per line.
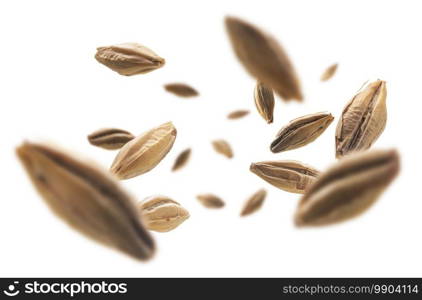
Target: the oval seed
pixel 348 188
pixel 181 90
pixel 110 138
pixel 210 201
pixel 181 159
pixel 144 152
pixel 254 203
pixel 162 214
pixel 301 131
pixel 223 147
pixel 129 58
pixel 87 199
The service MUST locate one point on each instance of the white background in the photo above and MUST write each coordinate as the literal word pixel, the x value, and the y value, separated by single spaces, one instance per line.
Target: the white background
pixel 52 89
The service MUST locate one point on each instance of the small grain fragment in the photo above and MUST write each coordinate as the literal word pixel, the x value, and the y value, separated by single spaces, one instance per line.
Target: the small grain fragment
pixel 181 159
pixel 329 72
pixel 254 203
pixel 110 138
pixel 223 147
pixel 210 201
pixel 181 90
pixel 237 114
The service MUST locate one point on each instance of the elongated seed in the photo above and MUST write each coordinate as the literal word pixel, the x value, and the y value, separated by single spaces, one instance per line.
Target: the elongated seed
pixel 288 175
pixel 329 72
pixel 348 188
pixel 210 201
pixel 181 90
pixel 162 214
pixel 181 159
pixel 110 138
pixel 237 114
pixel 264 58
pixel 301 131
pixel 264 101
pixel 363 119
pixel 144 152
pixel 129 58
pixel 254 203
pixel 87 199
pixel 223 147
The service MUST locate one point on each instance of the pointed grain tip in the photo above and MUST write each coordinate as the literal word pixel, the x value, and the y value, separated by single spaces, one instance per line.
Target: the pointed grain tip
pixel 173 128
pixel 22 152
pixel 20 149
pixel 161 62
pixel 298 222
pixel 298 97
pixel 273 148
pixel 228 20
